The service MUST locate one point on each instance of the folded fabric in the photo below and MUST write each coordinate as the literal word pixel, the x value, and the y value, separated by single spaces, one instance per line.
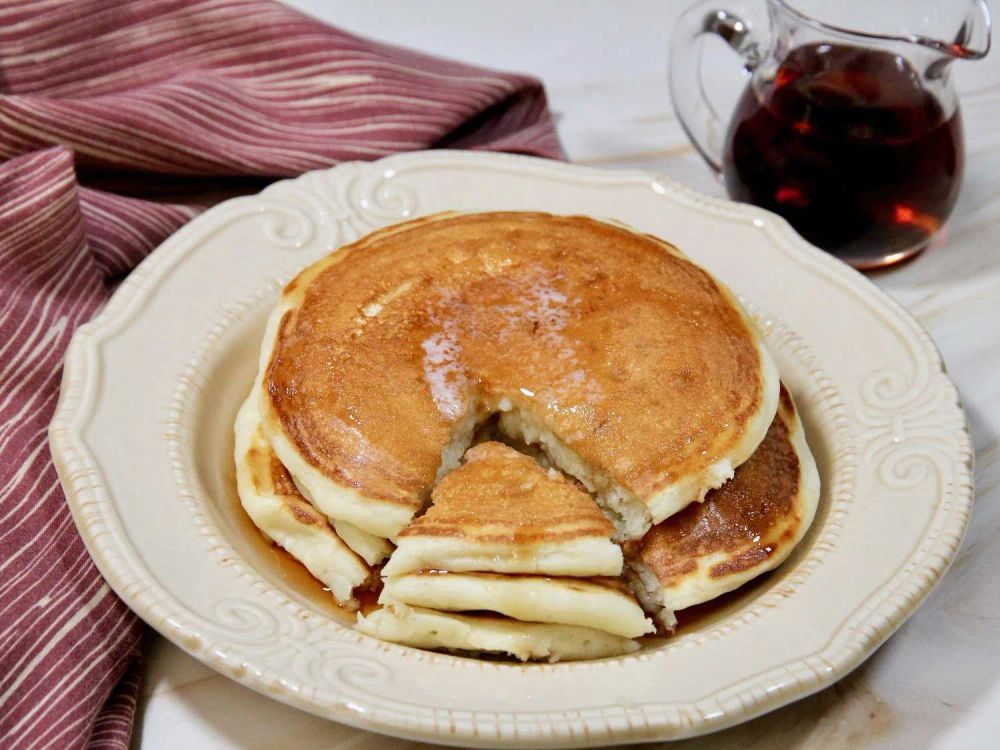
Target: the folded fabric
pixel 182 102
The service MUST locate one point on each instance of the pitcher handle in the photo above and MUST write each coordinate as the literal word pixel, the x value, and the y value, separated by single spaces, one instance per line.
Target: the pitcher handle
pixel 694 111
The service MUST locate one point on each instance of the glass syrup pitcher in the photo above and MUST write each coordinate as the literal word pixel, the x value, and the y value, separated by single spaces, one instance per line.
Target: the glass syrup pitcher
pixel 849 126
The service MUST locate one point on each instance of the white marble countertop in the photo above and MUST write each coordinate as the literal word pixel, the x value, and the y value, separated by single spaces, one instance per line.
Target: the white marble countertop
pixel 936 683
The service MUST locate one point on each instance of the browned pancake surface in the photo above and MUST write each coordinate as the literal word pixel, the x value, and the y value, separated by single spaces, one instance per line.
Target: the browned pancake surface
pixel 628 352
pixel 748 518
pixel 500 495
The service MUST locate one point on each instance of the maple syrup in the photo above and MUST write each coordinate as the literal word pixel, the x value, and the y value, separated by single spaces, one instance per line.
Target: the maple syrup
pixel 848 145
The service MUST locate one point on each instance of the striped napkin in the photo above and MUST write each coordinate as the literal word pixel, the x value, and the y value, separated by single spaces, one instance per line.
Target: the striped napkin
pixel 119 121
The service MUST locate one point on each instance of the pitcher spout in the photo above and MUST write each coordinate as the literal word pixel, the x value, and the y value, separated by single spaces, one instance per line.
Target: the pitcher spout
pixel 949 29
pixel 972 40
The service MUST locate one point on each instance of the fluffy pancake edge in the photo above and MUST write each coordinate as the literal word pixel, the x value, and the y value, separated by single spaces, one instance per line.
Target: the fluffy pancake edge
pixel 702 586
pixel 527 641
pixel 575 557
pixel 290 522
pixel 565 601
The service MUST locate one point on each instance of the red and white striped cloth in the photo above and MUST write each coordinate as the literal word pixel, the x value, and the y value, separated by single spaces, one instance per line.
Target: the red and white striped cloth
pixel 165 106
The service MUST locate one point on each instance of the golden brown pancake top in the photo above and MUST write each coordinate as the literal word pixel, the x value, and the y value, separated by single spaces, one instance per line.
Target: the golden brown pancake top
pixel 500 495
pixel 631 354
pixel 747 518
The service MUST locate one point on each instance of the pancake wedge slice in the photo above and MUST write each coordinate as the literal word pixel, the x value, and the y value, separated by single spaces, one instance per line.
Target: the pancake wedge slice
pixel 748 526
pixel 600 603
pixel 275 506
pixel 501 512
pixel 484 633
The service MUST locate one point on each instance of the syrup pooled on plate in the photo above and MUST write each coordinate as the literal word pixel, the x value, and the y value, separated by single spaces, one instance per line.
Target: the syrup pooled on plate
pixel 286 568
pixel 851 149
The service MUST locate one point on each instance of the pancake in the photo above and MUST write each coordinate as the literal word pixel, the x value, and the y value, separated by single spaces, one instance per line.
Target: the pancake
pixel 745 528
pixel 275 506
pixel 636 371
pixel 600 603
pixel 501 512
pixel 372 549
pixel 484 633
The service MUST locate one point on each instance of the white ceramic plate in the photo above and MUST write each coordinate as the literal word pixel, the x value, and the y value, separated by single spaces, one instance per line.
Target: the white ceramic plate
pixel 142 440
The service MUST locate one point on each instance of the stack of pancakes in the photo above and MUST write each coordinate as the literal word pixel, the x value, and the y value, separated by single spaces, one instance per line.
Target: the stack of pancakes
pixel 643 456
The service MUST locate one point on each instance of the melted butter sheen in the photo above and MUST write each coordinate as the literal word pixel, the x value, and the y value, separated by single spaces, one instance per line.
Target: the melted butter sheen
pixel 627 351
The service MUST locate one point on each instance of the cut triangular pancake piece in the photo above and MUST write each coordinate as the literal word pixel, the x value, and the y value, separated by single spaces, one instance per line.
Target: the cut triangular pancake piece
pixel 486 633
pixel 501 512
